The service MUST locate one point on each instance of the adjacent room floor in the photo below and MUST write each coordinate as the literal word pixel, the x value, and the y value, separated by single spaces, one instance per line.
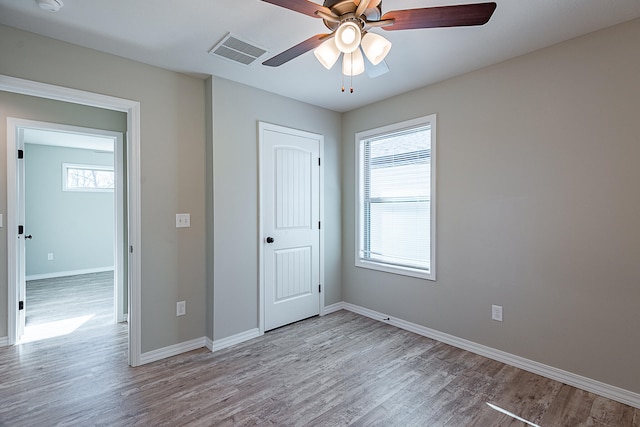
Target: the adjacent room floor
pixel 337 370
pixel 58 306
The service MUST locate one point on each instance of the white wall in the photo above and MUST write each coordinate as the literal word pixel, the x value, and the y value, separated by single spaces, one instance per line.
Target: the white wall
pixel 538 207
pixel 172 149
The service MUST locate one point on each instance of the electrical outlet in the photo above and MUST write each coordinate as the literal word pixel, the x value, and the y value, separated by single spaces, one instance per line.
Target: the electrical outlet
pixel 49 257
pixel 181 308
pixel 496 312
pixel 183 220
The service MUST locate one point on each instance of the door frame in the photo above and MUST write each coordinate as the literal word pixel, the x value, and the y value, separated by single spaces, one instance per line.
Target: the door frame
pixel 15 124
pixel 262 126
pixel 132 153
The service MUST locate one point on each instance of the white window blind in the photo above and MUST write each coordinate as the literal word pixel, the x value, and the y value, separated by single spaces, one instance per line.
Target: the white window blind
pixel 395 212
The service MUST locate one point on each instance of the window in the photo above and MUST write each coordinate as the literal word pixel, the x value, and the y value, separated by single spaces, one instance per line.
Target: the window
pixel 396 194
pixel 87 177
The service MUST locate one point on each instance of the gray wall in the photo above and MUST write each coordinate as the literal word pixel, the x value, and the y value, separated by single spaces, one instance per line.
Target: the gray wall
pixel 77 227
pixel 172 150
pixel 236 111
pixel 538 207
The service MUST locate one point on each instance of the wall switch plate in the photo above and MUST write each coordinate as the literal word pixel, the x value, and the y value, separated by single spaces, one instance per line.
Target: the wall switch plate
pixel 49 257
pixel 181 308
pixel 496 312
pixel 1 223
pixel 183 220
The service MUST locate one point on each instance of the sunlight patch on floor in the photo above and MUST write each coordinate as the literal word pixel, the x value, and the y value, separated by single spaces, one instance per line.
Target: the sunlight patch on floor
pixel 58 328
pixel 511 414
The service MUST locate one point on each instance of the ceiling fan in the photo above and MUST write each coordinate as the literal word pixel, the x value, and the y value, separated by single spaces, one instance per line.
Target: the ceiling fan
pixel 351 20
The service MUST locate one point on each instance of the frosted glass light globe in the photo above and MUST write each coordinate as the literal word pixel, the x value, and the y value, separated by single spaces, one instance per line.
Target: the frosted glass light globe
pixel 375 47
pixel 348 37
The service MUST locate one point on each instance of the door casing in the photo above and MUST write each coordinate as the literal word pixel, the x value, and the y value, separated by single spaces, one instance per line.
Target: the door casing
pixel 132 109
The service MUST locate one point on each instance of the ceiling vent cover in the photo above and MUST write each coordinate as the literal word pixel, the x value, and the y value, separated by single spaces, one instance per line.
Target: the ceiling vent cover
pixel 236 50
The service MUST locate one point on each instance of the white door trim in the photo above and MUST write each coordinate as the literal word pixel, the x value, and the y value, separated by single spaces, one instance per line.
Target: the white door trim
pixel 132 108
pixel 261 297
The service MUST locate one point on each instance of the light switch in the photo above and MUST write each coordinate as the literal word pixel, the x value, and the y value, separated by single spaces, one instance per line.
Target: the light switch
pixel 1 223
pixel 183 220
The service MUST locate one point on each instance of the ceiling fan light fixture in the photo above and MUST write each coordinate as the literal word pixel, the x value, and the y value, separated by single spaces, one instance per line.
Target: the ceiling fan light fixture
pixel 327 53
pixel 348 37
pixel 353 63
pixel 375 47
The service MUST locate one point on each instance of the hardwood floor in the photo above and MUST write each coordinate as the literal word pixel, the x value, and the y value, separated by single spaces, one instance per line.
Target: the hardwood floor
pixel 341 369
pixel 64 297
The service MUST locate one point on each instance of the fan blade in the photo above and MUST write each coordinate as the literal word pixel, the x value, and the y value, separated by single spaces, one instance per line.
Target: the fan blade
pixel 297 50
pixel 443 16
pixel 303 6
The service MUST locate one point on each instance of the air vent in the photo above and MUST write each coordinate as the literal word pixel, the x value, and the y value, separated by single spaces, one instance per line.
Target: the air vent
pixel 236 50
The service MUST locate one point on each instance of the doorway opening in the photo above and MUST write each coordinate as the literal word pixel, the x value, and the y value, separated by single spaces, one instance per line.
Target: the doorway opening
pixel 70 203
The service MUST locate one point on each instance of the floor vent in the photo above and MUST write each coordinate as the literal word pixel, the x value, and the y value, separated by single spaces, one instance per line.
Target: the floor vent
pixel 236 50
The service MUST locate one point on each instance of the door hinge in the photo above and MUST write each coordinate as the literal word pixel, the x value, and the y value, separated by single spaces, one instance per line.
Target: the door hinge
pixel 319 287
pixel 318 161
pixel 20 154
pixel 20 305
pixel 20 229
pixel 131 248
pixel 318 225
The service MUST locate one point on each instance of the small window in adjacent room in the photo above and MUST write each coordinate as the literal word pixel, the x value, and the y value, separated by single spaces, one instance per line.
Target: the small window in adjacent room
pixel 87 177
pixel 395 199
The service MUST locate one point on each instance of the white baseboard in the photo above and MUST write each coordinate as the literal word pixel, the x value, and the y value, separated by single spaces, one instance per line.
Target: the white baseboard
pixel 605 390
pixel 217 345
pixel 208 342
pixel 4 341
pixel 67 273
pixel 172 350
pixel 332 308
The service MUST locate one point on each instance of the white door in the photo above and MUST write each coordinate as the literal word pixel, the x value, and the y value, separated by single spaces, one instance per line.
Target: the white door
pixel 23 236
pixel 290 216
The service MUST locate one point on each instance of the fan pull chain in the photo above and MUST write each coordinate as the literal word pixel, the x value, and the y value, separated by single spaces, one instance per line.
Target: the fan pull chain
pixel 350 78
pixel 351 75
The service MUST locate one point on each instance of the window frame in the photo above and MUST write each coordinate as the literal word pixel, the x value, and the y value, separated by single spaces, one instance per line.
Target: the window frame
pixel 67 166
pixel 360 137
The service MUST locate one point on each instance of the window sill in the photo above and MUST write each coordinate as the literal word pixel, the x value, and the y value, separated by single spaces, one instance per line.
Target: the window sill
pixel 394 269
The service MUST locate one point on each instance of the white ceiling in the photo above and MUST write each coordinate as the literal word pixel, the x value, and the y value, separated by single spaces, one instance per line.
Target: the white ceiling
pixel 178 35
pixel 68 139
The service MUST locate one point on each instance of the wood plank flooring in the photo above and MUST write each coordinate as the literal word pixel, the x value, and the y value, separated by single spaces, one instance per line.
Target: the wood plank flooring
pixel 72 296
pixel 338 370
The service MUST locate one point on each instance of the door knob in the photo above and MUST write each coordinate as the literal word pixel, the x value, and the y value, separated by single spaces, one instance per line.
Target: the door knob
pixel 28 236
pixel 270 240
